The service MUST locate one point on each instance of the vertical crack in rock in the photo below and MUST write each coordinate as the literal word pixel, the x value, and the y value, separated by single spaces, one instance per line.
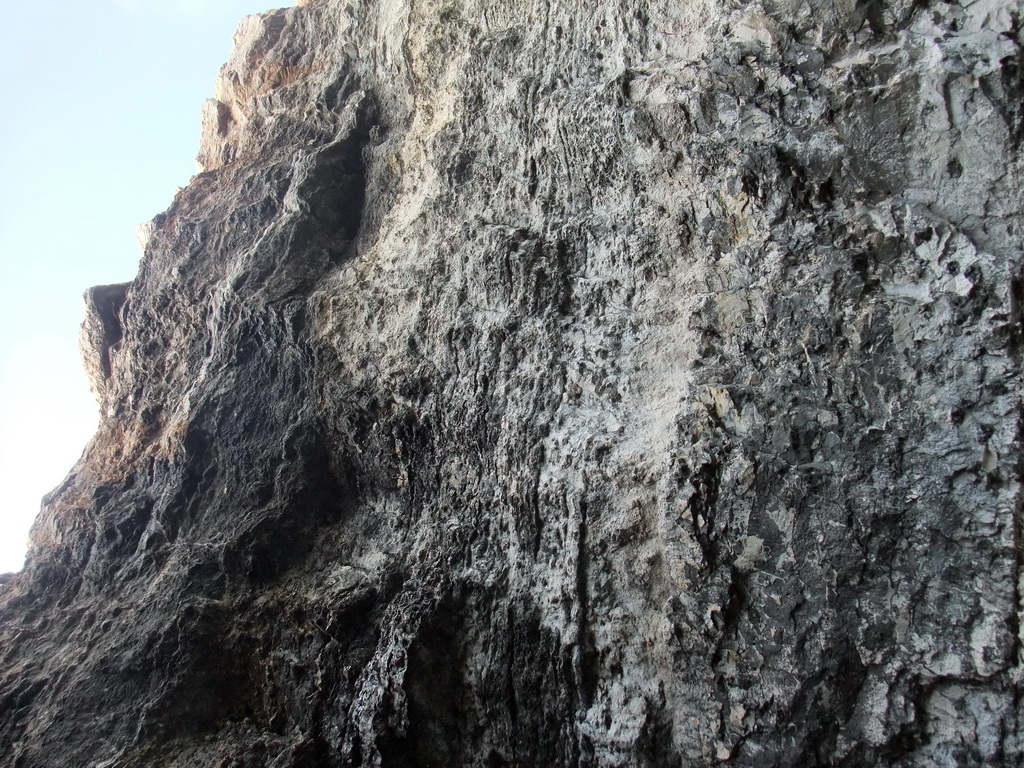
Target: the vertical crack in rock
pixel 556 384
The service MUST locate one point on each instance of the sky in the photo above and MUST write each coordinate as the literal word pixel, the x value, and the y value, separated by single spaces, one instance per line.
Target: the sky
pixel 99 123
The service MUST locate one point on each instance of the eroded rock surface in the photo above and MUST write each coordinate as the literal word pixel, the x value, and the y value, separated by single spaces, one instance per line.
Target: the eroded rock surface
pixel 557 384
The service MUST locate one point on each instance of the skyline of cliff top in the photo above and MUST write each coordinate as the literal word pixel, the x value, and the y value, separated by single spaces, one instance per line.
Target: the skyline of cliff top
pixel 102 121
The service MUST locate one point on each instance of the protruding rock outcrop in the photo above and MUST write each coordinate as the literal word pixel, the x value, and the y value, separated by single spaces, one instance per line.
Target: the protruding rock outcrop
pixel 101 332
pixel 557 384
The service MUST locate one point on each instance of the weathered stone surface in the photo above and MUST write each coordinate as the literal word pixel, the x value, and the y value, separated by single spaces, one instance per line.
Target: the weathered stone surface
pixel 558 384
pixel 101 330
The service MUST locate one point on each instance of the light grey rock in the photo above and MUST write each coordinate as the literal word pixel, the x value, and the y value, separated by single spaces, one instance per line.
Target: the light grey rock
pixel 558 384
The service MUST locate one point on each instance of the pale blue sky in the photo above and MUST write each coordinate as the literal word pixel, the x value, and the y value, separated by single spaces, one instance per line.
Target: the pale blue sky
pixel 99 123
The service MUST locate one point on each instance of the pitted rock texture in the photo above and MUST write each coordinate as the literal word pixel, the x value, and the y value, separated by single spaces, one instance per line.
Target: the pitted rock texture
pixel 557 384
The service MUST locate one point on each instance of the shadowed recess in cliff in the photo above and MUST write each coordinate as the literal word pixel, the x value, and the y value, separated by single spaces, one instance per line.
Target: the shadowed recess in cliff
pixel 322 210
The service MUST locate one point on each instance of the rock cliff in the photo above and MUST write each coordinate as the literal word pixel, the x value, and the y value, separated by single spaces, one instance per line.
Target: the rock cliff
pixel 536 383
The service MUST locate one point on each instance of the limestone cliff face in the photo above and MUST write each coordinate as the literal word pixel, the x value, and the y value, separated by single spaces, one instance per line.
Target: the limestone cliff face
pixel 557 384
